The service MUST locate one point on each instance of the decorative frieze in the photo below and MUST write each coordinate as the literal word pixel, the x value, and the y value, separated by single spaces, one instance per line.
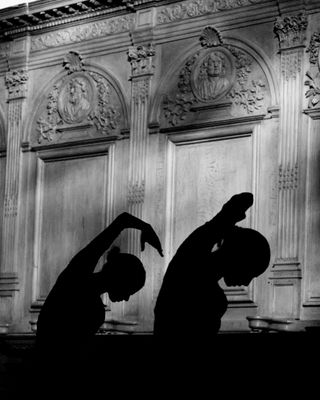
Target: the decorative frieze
pixel 83 32
pixel 291 30
pixel 16 83
pixel 196 8
pixel 83 99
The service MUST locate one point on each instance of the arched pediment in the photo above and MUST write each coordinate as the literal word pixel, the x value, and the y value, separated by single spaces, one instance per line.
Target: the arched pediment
pixel 83 101
pixel 215 79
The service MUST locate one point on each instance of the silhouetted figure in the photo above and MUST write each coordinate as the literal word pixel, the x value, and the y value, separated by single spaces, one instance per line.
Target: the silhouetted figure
pixel 190 301
pixel 73 311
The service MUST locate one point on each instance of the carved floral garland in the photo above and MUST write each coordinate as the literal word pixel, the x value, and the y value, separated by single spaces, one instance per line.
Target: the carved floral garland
pixel 245 93
pixel 105 116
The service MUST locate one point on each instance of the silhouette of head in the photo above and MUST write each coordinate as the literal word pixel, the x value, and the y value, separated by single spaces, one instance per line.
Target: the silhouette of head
pixel 243 255
pixel 124 275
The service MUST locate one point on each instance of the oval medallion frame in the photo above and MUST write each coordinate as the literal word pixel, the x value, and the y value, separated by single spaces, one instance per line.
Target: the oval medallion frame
pixel 213 74
pixel 76 98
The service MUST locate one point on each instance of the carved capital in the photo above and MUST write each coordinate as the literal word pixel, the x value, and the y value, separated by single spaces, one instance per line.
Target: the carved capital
pixel 140 58
pixel 291 30
pixel 16 83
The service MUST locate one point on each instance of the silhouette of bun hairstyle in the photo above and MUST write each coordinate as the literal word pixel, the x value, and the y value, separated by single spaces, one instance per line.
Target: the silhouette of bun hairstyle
pixel 113 253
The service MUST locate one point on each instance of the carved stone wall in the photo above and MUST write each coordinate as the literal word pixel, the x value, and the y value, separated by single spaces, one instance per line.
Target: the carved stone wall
pixel 164 110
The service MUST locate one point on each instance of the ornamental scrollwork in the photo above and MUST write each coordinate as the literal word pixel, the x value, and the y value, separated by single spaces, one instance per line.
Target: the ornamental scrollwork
pixel 197 8
pixel 83 32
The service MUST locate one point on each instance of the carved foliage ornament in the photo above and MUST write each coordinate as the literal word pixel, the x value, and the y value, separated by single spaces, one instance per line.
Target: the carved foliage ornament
pixel 82 99
pixel 196 8
pixel 313 81
pixel 140 58
pixel 211 74
pixel 16 83
pixel 83 32
pixel 291 30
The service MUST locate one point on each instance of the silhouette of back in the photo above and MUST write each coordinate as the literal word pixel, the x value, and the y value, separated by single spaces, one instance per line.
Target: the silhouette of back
pixel 73 310
pixel 190 300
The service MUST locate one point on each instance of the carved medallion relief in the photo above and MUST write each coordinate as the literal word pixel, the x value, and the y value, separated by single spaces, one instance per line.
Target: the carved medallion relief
pixel 82 104
pixel 212 75
pixel 219 76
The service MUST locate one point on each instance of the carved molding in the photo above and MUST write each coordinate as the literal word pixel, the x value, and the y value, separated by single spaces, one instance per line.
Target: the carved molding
pixel 82 100
pixel 291 30
pixel 16 83
pixel 140 58
pixel 9 284
pixel 83 32
pixel 196 8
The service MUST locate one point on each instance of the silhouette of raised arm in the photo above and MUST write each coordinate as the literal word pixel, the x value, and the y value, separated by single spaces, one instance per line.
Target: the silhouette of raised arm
pixel 212 232
pixel 88 257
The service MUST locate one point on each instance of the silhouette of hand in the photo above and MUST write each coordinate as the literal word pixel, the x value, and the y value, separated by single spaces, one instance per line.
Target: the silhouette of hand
pixel 148 235
pixel 237 206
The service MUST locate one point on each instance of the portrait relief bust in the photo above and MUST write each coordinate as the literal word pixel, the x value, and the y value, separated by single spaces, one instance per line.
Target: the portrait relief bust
pixel 212 76
pixel 75 99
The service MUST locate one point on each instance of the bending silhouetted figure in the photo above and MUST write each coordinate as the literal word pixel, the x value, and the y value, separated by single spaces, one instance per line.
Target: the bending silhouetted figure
pixel 73 311
pixel 190 300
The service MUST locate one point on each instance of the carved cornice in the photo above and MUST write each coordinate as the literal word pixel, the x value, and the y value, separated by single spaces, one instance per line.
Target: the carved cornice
pixel 83 32
pixel 16 83
pixel 36 18
pixel 291 30
pixel 196 8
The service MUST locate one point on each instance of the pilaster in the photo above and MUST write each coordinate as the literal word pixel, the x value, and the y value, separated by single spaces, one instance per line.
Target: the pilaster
pixel 16 80
pixel 286 272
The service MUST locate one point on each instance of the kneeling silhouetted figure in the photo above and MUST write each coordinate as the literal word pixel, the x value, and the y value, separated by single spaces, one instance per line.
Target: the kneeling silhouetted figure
pixel 73 311
pixel 190 300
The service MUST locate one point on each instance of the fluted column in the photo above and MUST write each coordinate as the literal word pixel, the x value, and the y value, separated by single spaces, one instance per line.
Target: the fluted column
pixel 287 271
pixel 16 82
pixel 140 58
